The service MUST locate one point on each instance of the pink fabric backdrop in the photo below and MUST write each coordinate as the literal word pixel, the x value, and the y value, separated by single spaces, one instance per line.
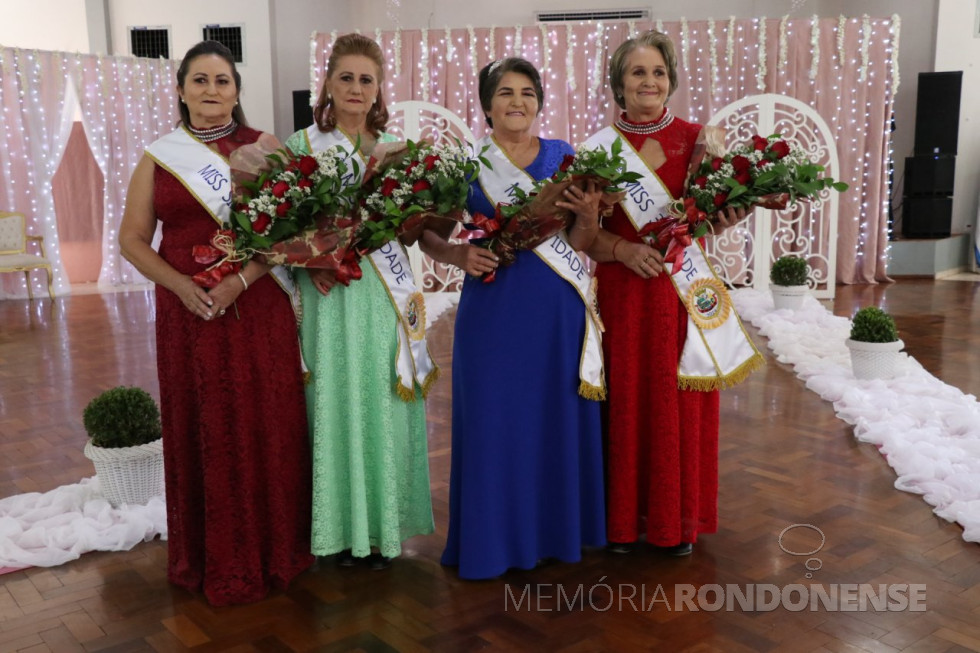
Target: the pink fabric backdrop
pixel 854 95
pixel 125 103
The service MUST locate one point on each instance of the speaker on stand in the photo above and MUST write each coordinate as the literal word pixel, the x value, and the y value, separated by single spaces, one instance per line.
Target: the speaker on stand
pixel 927 198
pixel 302 111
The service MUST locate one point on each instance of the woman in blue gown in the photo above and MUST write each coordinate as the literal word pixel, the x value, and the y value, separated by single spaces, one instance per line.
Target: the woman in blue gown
pixel 527 472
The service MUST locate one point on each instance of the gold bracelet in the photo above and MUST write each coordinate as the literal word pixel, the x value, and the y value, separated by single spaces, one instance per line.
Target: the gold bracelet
pixel 244 283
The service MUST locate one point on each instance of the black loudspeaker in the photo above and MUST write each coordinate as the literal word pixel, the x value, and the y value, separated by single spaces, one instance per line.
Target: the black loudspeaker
pixel 927 217
pixel 937 112
pixel 302 111
pixel 929 175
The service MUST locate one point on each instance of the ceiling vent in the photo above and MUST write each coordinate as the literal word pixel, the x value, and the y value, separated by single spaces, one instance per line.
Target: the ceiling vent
pixel 231 36
pixel 150 42
pixel 580 15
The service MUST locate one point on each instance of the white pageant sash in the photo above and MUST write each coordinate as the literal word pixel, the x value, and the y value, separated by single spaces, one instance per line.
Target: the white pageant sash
pixel 559 255
pixel 717 351
pixel 207 176
pixel 413 363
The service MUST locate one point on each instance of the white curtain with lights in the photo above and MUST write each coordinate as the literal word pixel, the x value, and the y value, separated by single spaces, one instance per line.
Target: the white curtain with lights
pixel 846 68
pixel 126 103
pixel 36 123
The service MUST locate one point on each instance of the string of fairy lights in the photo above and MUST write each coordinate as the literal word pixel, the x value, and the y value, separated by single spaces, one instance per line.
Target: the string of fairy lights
pixel 125 102
pixel 719 61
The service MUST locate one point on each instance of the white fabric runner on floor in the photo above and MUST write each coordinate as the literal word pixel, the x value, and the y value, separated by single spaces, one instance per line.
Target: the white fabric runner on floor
pixel 49 529
pixel 928 431
pixel 44 530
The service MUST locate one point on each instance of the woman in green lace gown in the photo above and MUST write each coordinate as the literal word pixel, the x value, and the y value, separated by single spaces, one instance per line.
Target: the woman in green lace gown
pixel 370 462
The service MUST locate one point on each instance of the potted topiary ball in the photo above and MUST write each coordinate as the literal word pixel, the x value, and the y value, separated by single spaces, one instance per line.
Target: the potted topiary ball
pixel 125 445
pixel 788 282
pixel 874 344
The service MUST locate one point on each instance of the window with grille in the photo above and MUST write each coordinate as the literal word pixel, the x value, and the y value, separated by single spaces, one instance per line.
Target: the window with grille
pixel 572 15
pixel 228 35
pixel 151 42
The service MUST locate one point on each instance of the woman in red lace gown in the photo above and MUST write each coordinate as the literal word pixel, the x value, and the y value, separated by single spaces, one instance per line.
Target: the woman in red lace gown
pixel 236 452
pixel 662 442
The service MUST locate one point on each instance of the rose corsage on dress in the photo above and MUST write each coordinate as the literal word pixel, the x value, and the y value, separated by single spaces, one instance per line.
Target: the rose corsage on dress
pixel 532 217
pixel 301 210
pixel 766 172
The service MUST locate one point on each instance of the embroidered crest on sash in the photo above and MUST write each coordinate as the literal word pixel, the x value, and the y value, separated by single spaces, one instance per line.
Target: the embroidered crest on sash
pixel 708 302
pixel 414 316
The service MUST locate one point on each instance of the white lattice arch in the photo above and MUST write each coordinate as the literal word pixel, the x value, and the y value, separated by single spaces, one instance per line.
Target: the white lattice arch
pixel 743 255
pixel 415 120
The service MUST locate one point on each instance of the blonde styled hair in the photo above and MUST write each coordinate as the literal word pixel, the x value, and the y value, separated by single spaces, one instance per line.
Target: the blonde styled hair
pixel 346 45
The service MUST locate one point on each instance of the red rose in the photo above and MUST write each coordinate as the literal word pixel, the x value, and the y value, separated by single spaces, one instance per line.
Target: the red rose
pixel 304 183
pixel 716 163
pixel 760 143
pixel 283 208
pixel 261 223
pixel 420 186
pixel 389 186
pixel 280 188
pixel 720 199
pixel 567 162
pixel 411 166
pixel 780 149
pixel 267 185
pixel 307 166
pixel 430 161
pixel 740 163
pixel 763 163
pixel 743 177
pixel 701 181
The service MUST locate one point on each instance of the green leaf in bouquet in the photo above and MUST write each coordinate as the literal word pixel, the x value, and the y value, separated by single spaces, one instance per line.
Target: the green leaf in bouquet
pixel 242 222
pixel 617 146
pixel 806 188
pixel 840 186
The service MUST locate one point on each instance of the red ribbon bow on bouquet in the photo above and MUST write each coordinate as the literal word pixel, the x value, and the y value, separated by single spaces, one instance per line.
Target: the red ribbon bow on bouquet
pixel 220 255
pixel 670 236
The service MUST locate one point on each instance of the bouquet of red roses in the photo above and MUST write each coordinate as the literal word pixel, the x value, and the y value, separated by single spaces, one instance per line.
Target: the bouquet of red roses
pixel 288 209
pixel 533 217
pixel 409 183
pixel 767 172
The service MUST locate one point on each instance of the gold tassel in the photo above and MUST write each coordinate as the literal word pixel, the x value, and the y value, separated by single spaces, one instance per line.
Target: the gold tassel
pixel 307 377
pixel 733 378
pixel 430 381
pixel 405 394
pixel 592 392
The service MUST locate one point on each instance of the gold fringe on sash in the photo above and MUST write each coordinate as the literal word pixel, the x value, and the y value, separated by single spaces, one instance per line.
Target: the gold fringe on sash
pixel 733 378
pixel 406 394
pixel 589 391
pixel 430 381
pixel 307 377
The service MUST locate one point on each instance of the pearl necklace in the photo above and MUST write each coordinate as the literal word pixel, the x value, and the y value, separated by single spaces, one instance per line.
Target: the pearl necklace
pixel 212 134
pixel 647 127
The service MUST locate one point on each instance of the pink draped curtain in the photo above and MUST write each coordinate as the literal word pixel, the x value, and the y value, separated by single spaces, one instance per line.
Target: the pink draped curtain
pixel 845 68
pixel 125 104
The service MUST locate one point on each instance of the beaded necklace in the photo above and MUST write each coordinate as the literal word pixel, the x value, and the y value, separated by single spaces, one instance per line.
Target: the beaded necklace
pixel 647 127
pixel 212 134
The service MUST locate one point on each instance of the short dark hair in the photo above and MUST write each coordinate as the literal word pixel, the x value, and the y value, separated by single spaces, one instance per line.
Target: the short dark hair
pixel 651 39
pixel 201 49
pixel 492 73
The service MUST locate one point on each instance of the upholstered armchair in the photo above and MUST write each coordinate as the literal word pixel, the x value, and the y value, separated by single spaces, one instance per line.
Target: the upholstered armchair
pixel 14 256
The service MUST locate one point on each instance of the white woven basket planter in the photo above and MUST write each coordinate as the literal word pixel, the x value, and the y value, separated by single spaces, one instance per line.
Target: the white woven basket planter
pixel 874 360
pixel 790 297
pixel 130 475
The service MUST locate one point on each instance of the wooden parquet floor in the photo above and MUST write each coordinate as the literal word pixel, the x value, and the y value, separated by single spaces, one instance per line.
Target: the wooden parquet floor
pixel 785 460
